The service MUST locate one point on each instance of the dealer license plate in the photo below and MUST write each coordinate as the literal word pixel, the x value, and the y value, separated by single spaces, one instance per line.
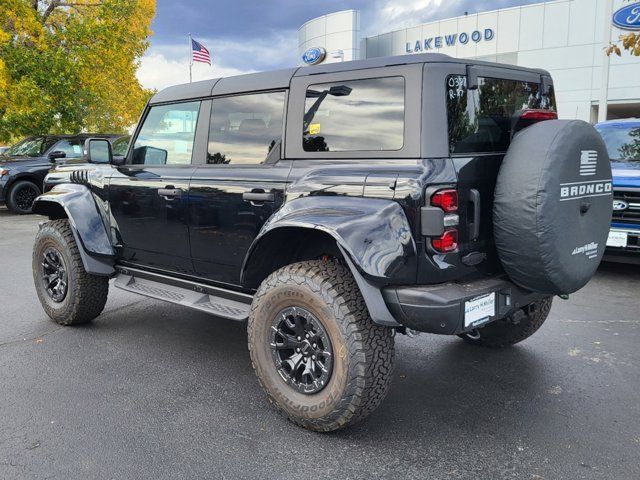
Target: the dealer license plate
pixel 479 309
pixel 617 239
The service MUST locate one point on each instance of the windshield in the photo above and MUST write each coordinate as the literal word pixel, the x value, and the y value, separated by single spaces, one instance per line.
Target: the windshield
pixel 622 141
pixel 31 147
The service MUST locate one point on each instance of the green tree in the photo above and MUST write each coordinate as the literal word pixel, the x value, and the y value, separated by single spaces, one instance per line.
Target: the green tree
pixel 68 66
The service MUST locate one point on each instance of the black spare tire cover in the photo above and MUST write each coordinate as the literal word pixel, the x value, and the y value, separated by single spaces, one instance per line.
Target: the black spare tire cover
pixel 552 206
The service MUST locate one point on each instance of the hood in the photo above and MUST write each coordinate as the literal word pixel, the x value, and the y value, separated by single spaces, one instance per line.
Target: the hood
pixel 626 174
pixel 19 160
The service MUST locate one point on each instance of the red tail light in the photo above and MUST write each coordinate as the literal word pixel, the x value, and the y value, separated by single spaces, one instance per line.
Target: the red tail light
pixel 538 115
pixel 447 200
pixel 447 242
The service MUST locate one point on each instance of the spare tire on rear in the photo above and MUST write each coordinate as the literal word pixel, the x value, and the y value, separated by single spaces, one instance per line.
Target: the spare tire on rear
pixel 552 206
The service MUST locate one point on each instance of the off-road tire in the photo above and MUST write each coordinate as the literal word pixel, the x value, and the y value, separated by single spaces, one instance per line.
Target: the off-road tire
pixel 501 334
pixel 18 188
pixel 86 294
pixel 363 351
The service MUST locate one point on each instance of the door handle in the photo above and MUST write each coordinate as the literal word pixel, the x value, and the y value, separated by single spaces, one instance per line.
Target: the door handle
pixel 170 192
pixel 474 200
pixel 258 197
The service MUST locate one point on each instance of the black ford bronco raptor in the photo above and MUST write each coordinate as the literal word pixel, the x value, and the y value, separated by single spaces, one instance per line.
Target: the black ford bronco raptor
pixel 332 206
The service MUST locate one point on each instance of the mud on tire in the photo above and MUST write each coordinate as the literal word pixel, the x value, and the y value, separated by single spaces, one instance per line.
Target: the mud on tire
pixel 56 257
pixel 363 353
pixel 500 334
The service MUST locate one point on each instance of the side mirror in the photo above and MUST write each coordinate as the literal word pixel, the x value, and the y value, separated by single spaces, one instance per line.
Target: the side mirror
pixel 118 160
pixel 99 150
pixel 53 156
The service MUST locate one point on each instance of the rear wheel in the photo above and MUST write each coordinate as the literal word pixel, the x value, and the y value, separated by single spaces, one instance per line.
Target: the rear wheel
pixel 503 333
pixel 319 357
pixel 68 294
pixel 21 196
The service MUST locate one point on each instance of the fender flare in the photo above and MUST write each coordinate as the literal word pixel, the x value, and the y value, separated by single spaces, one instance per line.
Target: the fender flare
pixel 87 224
pixel 373 235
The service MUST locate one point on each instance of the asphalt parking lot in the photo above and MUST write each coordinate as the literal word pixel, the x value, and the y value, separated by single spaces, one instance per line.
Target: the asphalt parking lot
pixel 151 390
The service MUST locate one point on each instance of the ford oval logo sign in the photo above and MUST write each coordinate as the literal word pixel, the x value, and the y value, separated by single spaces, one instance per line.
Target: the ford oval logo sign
pixel 314 55
pixel 619 205
pixel 628 17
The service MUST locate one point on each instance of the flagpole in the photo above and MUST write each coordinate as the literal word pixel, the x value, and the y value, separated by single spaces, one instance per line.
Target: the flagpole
pixel 190 56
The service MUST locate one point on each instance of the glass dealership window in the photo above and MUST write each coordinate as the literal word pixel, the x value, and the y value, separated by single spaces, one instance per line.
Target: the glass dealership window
pixel 480 119
pixel 245 129
pixel 167 134
pixel 355 115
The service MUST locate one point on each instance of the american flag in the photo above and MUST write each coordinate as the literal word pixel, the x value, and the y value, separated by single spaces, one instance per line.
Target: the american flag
pixel 199 52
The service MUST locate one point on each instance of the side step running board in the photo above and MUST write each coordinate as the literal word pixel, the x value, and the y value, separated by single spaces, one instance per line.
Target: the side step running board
pixel 213 300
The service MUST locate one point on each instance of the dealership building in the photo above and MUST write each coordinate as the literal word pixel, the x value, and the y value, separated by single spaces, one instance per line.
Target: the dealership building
pixel 565 37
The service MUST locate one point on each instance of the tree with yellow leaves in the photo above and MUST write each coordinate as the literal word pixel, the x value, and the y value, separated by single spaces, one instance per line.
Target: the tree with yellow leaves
pixel 629 41
pixel 70 66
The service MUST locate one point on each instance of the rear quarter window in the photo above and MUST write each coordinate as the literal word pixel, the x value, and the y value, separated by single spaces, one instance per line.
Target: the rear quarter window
pixel 355 115
pixel 479 120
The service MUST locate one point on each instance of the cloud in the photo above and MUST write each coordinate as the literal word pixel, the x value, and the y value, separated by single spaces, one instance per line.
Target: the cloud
pixel 159 71
pixel 168 64
pixel 389 15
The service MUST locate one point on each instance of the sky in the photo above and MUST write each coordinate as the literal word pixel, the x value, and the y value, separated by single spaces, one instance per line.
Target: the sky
pixel 247 35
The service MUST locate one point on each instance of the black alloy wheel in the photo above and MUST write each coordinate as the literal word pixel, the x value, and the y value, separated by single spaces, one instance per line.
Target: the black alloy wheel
pixel 301 350
pixel 25 196
pixel 54 275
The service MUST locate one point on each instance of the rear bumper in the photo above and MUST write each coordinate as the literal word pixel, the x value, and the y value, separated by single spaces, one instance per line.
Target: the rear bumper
pixel 441 308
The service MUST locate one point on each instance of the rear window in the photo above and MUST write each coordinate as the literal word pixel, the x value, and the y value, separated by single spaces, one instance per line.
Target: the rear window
pixel 355 115
pixel 480 119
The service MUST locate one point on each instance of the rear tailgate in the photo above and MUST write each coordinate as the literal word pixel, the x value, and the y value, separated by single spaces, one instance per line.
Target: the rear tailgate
pixel 483 104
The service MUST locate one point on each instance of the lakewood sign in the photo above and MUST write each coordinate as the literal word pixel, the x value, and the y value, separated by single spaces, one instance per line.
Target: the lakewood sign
pixel 628 17
pixel 435 43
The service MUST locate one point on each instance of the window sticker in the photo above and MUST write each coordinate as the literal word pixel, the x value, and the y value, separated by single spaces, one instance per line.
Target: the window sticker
pixel 314 129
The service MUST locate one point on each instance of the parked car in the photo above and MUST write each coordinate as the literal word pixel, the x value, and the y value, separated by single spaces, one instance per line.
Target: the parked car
pixel 332 207
pixel 24 166
pixel 60 172
pixel 622 138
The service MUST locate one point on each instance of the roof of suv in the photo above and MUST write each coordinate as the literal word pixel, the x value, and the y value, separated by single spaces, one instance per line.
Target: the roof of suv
pixel 281 78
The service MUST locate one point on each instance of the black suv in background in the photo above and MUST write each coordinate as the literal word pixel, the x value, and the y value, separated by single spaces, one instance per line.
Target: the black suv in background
pixel 24 165
pixel 332 207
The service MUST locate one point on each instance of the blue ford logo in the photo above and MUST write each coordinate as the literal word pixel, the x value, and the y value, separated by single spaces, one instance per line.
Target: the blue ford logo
pixel 314 55
pixel 628 17
pixel 619 205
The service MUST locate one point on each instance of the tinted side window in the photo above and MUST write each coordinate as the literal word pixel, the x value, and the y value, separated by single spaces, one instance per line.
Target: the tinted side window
pixel 166 136
pixel 480 119
pixel 354 115
pixel 71 147
pixel 244 129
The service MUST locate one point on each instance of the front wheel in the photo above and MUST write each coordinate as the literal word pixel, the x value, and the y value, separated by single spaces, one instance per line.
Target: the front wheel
pixel 21 196
pixel 68 294
pixel 321 360
pixel 503 333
